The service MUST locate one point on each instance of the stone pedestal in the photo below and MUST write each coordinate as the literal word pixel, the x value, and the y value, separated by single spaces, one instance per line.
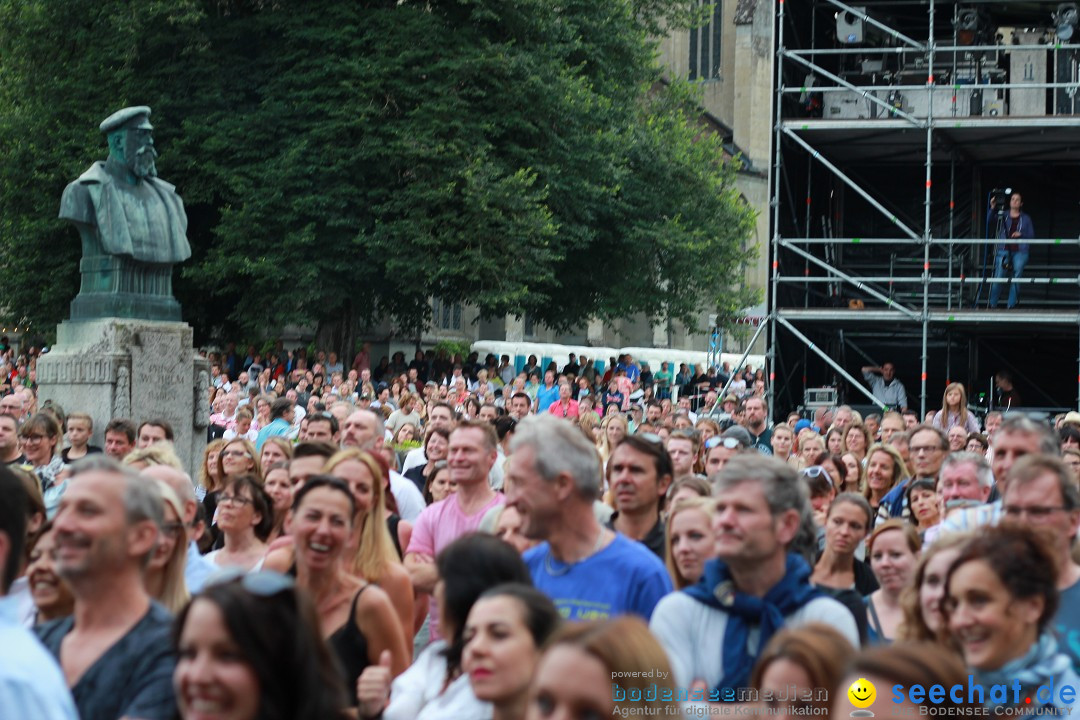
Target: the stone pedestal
pixel 135 369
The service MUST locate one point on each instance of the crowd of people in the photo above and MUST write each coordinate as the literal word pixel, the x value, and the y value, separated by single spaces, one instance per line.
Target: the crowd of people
pixel 479 541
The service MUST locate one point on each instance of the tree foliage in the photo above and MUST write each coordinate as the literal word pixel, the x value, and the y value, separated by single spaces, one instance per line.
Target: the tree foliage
pixel 343 162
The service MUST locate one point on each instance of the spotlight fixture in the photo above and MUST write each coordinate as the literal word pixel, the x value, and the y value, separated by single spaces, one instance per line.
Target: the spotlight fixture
pixel 1066 18
pixel 849 26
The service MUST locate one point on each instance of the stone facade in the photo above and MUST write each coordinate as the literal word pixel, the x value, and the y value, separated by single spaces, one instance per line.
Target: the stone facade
pixel 135 369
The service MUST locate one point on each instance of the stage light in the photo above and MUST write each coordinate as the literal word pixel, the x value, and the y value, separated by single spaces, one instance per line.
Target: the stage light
pixel 849 26
pixel 968 24
pixel 1066 18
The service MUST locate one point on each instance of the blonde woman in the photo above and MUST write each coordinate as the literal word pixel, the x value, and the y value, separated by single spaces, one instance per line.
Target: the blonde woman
pixel 164 575
pixel 689 542
pixel 374 558
pixel 613 429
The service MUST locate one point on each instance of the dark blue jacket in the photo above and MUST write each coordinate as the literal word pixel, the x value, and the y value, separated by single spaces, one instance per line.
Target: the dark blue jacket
pixel 1027 228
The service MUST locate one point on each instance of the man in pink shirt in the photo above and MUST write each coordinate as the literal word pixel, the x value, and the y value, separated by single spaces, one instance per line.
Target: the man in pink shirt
pixel 565 406
pixel 471 456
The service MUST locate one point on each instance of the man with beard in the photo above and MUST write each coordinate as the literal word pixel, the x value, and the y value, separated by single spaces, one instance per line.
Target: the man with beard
pixel 132 224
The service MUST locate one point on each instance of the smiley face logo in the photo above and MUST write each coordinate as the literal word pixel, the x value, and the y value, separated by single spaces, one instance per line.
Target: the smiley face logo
pixel 862 693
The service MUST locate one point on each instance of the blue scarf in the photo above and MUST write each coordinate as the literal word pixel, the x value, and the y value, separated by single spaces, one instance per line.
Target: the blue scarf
pixel 716 589
pixel 1040 665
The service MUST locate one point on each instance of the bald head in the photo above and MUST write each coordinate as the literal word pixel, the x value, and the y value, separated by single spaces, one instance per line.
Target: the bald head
pixel 363 429
pixel 180 483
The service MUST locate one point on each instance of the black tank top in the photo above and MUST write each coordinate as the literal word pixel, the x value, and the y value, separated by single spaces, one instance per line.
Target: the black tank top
pixel 392 523
pixel 350 647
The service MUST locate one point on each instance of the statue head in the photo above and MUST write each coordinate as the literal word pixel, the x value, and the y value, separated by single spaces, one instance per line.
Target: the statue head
pixel 131 140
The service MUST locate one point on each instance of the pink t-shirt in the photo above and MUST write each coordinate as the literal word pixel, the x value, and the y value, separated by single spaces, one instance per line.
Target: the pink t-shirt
pixel 438 526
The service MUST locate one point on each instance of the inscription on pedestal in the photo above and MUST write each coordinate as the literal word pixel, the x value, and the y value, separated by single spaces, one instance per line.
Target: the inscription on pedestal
pixel 161 377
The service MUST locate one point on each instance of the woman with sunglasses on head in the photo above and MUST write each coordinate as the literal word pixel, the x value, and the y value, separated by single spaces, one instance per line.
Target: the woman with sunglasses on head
pixel 1000 600
pixel 356 616
pixel 249 649
pixel 435 686
pixel 506 628
pixel 245 518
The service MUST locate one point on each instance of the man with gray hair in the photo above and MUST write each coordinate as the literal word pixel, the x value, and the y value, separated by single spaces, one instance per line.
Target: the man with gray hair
pixel 756 584
pixel 1018 436
pixel 115 650
pixel 1042 493
pixel 589 571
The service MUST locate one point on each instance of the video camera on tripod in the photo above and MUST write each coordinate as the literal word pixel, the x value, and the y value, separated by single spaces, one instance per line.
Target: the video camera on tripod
pixel 999 199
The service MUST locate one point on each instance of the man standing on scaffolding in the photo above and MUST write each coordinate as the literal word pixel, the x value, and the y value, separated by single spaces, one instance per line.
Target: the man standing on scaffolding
pixel 886 388
pixel 1010 255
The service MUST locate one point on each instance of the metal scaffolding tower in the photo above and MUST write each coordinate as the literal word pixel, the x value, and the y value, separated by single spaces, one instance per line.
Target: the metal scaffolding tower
pixel 893 121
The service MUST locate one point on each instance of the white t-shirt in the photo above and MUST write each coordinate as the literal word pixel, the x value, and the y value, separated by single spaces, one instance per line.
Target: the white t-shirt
pixel 410 501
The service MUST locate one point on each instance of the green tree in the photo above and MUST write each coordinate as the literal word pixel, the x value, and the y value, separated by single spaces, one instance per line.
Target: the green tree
pixel 343 162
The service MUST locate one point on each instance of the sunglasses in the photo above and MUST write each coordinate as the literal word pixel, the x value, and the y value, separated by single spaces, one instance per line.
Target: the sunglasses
pixel 729 442
pixel 264 583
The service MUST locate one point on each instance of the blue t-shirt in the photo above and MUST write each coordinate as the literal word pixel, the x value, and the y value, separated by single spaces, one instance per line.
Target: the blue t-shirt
pixel 1067 624
pixel 133 678
pixel 625 577
pixel 546 396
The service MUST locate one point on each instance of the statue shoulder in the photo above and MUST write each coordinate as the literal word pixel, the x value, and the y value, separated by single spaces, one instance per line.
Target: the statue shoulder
pixel 76 203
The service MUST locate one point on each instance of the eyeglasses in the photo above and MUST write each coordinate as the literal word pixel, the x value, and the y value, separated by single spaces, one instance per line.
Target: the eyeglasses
pixel 235 453
pixel 1035 512
pixel 264 583
pixel 234 500
pixel 173 530
pixel 33 438
pixel 917 449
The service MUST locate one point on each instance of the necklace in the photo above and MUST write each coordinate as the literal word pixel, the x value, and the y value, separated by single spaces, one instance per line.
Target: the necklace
pixel 559 573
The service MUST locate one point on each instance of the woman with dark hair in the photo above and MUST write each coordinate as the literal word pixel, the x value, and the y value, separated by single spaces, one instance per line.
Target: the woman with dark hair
pixel 40 436
pixel 837 571
pixel 838 471
pixel 438 485
pixel 924 501
pixel 434 687
pixel 278 486
pixel 51 594
pixel 1001 595
pixel 356 616
pixel 251 649
pixel 245 518
pixel 506 628
pixel 436 445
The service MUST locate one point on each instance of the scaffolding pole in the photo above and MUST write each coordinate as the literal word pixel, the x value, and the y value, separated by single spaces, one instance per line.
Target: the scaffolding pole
pixel 778 30
pixel 832 363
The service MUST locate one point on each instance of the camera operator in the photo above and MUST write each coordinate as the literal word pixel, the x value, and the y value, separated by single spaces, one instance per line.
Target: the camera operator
pixel 1011 254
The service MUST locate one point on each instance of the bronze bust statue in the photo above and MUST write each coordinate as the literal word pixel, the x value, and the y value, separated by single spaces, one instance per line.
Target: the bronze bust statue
pixel 132 225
